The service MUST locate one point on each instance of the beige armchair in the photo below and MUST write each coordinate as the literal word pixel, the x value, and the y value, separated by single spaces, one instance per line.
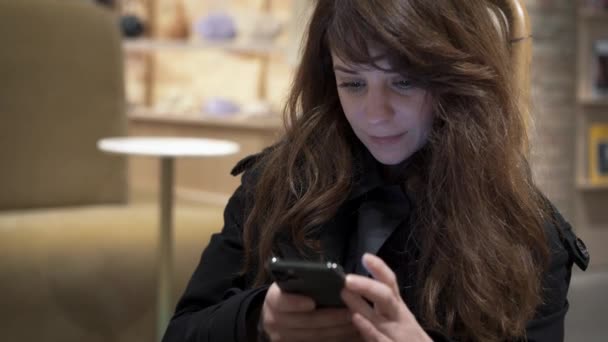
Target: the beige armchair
pixel 77 259
pixel 61 67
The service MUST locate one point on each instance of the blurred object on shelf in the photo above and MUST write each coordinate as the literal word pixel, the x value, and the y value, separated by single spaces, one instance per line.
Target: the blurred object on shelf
pixel 138 8
pixel 216 26
pixel 131 26
pixel 176 102
pixel 219 106
pixel 598 153
pixel 174 23
pixel 257 26
pixel 134 21
pixel 265 27
pixel 601 53
pixel 257 108
pixel 107 3
pixel 600 4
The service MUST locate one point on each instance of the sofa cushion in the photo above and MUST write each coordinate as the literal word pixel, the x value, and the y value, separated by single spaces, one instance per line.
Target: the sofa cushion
pixel 90 273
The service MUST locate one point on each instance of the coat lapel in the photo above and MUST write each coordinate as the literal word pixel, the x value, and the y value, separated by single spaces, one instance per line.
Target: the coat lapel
pixel 384 209
pixel 332 236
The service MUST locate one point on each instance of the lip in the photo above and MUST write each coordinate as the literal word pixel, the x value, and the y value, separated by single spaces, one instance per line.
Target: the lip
pixel 387 139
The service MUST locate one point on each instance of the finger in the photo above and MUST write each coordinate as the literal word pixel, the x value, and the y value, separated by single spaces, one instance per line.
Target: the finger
pixel 367 329
pixel 280 301
pixel 357 304
pixel 384 299
pixel 380 271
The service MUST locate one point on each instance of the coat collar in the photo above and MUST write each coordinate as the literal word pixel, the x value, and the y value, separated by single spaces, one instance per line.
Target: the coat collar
pixel 379 208
pixel 383 210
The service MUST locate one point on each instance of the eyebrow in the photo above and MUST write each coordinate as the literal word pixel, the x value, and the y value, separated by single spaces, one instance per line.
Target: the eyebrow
pixel 345 69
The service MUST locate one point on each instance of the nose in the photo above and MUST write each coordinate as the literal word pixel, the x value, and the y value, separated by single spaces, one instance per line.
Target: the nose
pixel 378 108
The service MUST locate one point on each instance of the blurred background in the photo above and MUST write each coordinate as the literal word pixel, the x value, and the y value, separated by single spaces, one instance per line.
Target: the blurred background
pixel 79 227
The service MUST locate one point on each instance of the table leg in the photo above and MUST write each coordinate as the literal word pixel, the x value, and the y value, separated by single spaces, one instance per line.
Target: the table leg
pixel 165 252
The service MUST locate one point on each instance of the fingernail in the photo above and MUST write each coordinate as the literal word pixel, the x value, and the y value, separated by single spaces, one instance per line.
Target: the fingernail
pixel 365 259
pixel 351 283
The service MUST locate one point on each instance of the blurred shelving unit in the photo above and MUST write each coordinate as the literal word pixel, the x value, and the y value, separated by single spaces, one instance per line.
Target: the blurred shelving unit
pixel 591 180
pixel 254 49
pixel 592 102
pixel 235 121
pixel 255 126
pixel 263 51
pixel 584 185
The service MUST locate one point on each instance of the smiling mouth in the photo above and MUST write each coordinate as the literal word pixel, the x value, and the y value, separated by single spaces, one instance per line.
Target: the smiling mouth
pixel 389 139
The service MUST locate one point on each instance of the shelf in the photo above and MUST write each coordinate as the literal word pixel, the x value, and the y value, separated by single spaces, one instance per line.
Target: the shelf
pixel 591 100
pixel 593 13
pixel 249 48
pixel 269 121
pixel 585 185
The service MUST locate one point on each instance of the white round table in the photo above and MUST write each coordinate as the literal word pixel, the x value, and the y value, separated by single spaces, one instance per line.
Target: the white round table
pixel 167 149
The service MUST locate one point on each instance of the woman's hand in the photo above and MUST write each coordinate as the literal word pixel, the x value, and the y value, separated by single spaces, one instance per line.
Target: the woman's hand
pixel 388 319
pixel 288 317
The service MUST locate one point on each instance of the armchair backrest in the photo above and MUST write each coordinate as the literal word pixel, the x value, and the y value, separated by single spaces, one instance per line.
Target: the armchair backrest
pixel 61 72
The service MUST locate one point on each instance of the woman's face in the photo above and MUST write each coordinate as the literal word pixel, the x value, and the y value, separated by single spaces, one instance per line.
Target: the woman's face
pixel 391 116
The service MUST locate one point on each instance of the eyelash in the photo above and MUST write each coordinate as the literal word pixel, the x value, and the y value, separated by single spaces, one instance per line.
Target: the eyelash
pixel 409 84
pixel 351 85
pixel 357 85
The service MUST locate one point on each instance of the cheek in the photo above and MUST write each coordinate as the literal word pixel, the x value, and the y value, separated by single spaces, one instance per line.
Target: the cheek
pixel 349 108
pixel 423 124
pixel 426 117
pixel 427 123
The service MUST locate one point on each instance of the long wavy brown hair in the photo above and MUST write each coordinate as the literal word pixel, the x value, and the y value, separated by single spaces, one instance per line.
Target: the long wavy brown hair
pixel 483 247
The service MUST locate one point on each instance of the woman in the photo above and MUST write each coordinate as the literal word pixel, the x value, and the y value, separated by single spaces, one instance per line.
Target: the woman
pixel 405 160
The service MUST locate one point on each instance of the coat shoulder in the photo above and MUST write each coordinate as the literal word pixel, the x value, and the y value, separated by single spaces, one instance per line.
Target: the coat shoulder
pixel 560 233
pixel 252 161
pixel 246 163
pixel 251 166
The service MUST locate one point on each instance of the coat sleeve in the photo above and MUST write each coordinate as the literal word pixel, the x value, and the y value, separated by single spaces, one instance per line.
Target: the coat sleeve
pixel 217 300
pixel 566 249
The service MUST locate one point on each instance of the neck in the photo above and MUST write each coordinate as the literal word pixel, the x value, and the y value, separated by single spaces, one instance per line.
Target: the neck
pixel 394 173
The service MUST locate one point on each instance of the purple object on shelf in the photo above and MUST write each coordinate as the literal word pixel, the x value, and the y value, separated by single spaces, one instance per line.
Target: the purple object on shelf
pixel 220 107
pixel 216 26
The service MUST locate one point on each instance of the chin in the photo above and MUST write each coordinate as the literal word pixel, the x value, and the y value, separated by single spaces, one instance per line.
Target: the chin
pixel 389 158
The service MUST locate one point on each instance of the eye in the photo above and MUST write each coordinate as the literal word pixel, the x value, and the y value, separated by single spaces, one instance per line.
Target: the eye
pixel 403 84
pixel 352 86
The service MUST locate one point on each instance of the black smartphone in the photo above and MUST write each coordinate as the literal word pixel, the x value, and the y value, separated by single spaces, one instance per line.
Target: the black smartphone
pixel 322 282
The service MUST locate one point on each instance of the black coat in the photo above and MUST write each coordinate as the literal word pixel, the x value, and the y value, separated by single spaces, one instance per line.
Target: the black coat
pixel 220 306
